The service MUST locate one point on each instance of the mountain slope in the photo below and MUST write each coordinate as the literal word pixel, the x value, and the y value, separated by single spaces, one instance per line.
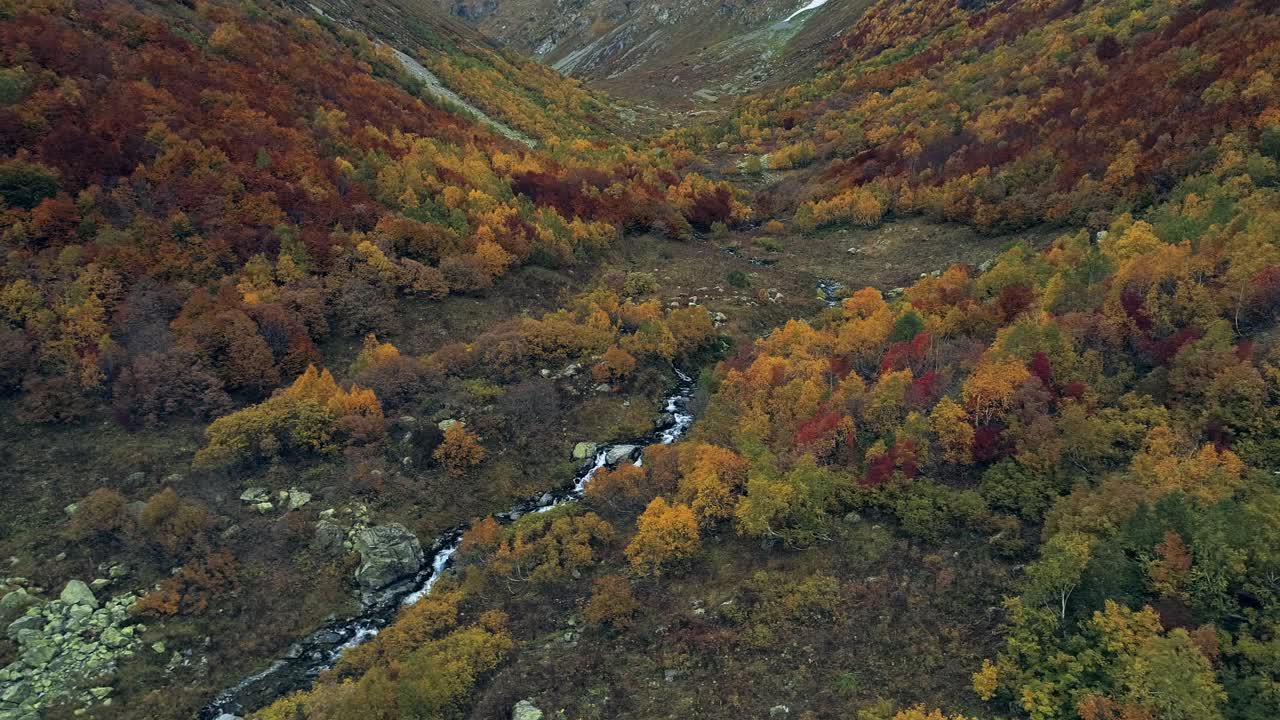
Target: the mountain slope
pixel 674 55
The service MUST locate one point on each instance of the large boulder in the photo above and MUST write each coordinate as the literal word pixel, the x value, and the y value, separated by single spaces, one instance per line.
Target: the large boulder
pixel 618 453
pixel 77 593
pixel 525 710
pixel 15 602
pixel 387 553
pixel 584 450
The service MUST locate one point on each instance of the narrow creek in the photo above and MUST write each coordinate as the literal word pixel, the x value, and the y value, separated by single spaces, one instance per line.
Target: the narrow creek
pixel 304 660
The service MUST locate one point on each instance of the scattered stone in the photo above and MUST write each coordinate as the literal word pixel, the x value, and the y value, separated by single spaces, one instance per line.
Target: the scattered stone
pixel 779 711
pixel 100 692
pixel 446 424
pixel 71 509
pixel 255 495
pixel 264 507
pixel 99 583
pixel 77 593
pixel 584 450
pixel 158 647
pixel 117 571
pixel 602 388
pixel 526 710
pixel 670 675
pixel 298 498
pixel 387 553
pixel 986 265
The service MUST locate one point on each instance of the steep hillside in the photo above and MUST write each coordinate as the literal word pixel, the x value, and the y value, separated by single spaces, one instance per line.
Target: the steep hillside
pixel 675 55
pixel 354 364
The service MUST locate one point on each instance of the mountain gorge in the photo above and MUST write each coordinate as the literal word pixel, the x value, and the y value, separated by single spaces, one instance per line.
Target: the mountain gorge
pixel 887 360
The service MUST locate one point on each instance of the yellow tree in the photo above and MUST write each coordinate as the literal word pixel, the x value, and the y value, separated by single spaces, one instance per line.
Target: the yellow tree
pixel 665 534
pixel 460 451
pixel 950 423
pixel 989 390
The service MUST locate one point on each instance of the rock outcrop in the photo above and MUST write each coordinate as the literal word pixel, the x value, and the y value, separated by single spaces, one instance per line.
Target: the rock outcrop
pixel 387 553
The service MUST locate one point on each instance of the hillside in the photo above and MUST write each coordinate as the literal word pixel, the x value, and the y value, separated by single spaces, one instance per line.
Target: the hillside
pixel 667 56
pixel 892 360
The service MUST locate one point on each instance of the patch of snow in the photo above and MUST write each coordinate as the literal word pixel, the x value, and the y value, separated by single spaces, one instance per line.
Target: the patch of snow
pixel 810 6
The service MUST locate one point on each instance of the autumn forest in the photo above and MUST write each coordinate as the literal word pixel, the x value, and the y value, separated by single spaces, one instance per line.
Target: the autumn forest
pixel 355 366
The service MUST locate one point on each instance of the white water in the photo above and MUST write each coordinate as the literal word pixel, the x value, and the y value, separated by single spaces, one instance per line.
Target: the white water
pixel 316 653
pixel 812 4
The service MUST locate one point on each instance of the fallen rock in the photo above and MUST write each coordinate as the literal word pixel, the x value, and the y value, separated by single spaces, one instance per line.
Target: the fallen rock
pixel 77 593
pixel 387 553
pixel 328 538
pixel 15 602
pixel 255 495
pixel 298 498
pixel 525 710
pixel 618 453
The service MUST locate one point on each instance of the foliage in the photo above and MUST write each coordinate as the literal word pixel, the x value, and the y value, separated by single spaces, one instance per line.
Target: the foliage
pixel 460 451
pixel 665 535
pixel 312 415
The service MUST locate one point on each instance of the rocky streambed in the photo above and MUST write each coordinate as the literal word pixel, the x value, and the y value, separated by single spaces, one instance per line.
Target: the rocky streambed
pixel 394 570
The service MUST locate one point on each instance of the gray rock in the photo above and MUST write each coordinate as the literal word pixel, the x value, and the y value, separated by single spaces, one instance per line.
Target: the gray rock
pixel 255 495
pixel 15 602
pixel 264 507
pixel 584 450
pixel 387 553
pixel 38 654
pixel 602 387
pixel 446 424
pixel 71 509
pixel 525 710
pixel 79 613
pixel 100 692
pixel 26 622
pixel 298 498
pixel 227 716
pixel 77 593
pixel 328 538
pixel 158 647
pixel 99 583
pixel 618 453
pixel 112 637
pixel 117 571
pixel 779 711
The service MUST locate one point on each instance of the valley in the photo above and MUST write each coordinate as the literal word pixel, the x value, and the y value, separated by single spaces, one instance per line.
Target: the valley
pixel 443 359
